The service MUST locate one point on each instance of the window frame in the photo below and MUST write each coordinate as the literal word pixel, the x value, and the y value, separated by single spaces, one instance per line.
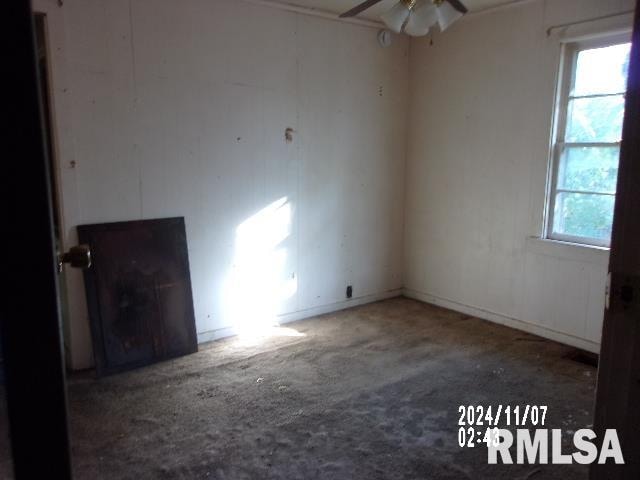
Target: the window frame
pixel 566 79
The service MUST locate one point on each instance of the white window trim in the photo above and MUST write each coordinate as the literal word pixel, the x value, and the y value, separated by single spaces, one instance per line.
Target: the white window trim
pixel 568 59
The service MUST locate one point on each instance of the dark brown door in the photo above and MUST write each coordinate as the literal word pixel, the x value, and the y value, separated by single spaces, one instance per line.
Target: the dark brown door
pixel 29 318
pixel 138 293
pixel 618 392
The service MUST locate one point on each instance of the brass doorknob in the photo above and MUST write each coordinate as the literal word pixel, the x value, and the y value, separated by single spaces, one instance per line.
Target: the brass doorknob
pixel 77 257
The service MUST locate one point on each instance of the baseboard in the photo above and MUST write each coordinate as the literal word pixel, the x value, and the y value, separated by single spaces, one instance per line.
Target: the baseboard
pixel 504 320
pixel 212 335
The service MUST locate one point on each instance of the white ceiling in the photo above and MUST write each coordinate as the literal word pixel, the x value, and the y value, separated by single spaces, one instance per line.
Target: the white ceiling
pixel 340 6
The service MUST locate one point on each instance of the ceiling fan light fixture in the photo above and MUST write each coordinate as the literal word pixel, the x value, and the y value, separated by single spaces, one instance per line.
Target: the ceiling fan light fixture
pixel 423 17
pixel 446 14
pixel 415 17
pixel 397 16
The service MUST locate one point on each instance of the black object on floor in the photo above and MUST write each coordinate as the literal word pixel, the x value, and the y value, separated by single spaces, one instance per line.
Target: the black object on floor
pixel 138 293
pixel 582 356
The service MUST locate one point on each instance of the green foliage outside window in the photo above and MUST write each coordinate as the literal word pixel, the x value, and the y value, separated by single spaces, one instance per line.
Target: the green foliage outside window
pixel 587 174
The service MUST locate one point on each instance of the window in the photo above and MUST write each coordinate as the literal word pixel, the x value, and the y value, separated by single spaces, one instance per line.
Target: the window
pixel 586 148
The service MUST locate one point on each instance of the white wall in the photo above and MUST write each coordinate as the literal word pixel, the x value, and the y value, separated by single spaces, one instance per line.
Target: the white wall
pixel 480 118
pixel 169 108
pixel 179 108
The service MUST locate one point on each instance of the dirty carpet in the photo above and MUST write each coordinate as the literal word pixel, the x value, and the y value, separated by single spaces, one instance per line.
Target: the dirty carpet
pixel 367 393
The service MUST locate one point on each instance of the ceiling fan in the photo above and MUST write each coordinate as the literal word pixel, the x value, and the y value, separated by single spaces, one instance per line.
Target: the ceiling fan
pixel 416 17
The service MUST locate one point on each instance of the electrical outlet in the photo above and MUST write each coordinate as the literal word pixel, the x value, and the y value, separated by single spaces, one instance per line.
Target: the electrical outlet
pixel 349 291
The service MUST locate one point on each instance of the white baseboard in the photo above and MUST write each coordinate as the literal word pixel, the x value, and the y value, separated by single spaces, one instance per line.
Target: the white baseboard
pixel 212 335
pixel 504 320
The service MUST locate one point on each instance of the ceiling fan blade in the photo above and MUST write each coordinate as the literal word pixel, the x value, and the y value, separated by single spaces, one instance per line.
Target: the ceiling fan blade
pixel 360 8
pixel 458 5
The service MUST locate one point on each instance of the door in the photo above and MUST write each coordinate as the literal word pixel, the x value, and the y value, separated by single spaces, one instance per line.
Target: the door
pixel 618 391
pixel 138 293
pixel 46 94
pixel 30 318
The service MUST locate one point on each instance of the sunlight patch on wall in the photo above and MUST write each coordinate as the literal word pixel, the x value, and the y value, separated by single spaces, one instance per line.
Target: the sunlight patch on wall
pixel 259 282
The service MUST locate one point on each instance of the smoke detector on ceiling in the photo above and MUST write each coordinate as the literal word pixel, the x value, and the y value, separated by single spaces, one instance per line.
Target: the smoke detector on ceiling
pixel 385 38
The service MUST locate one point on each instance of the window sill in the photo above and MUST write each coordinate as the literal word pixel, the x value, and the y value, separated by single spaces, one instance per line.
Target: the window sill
pixel 568 251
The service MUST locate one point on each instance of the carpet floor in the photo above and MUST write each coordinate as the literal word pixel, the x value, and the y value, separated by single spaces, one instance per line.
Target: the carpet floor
pixel 367 393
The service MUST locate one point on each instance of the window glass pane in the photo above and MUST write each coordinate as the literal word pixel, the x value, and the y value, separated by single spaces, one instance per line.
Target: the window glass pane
pixel 595 119
pixel 583 215
pixel 602 70
pixel 593 169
